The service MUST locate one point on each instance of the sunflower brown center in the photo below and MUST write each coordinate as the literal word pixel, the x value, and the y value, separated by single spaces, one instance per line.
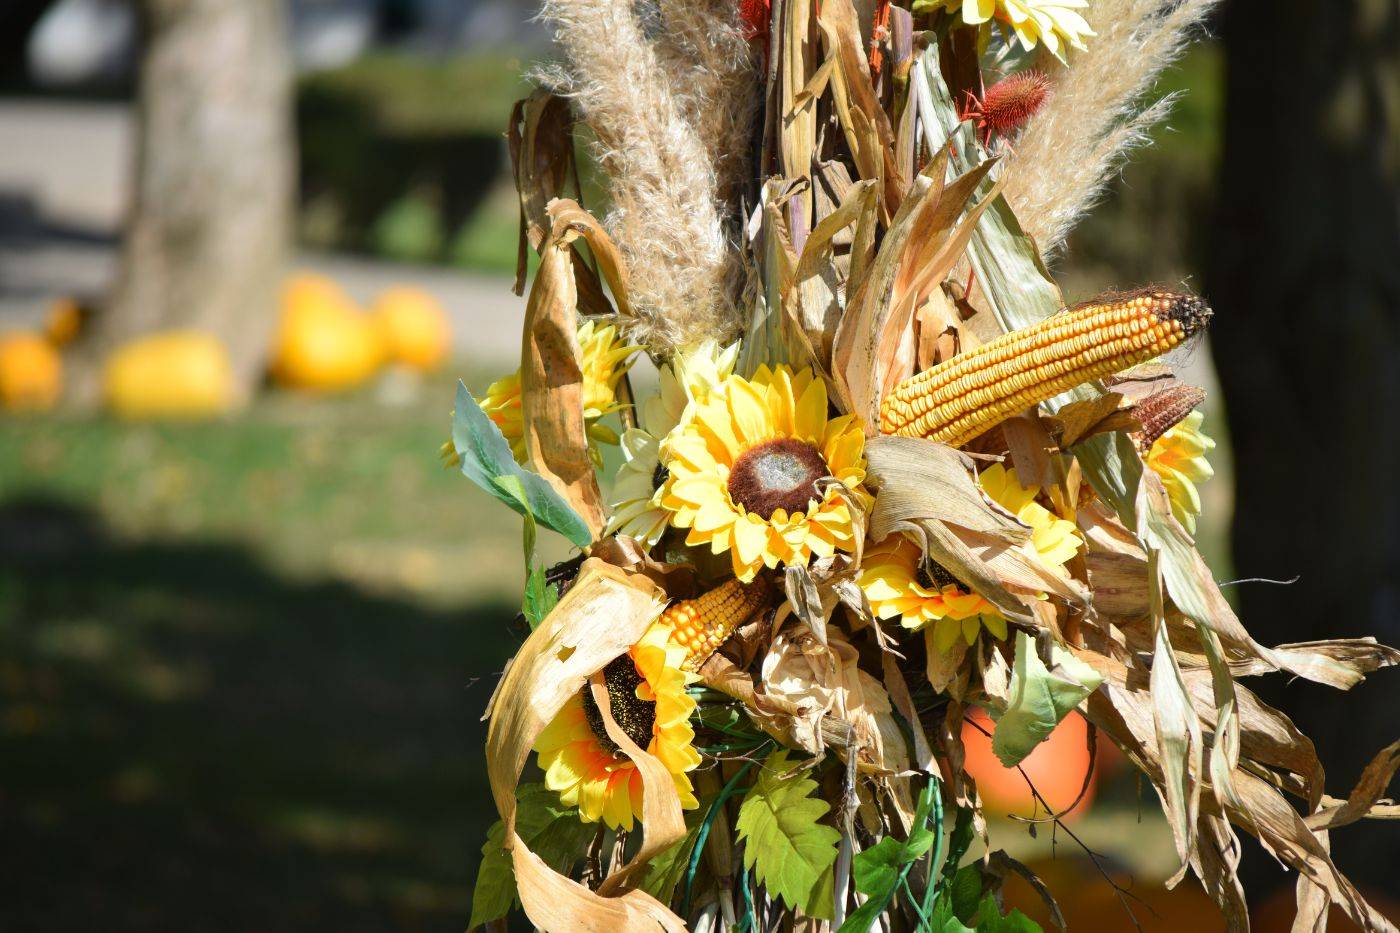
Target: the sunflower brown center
pixel 636 717
pixel 934 576
pixel 777 474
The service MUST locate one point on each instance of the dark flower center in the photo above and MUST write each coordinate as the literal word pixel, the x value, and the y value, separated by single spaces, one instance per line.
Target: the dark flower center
pixel 934 576
pixel 636 717
pixel 777 474
pixel 659 476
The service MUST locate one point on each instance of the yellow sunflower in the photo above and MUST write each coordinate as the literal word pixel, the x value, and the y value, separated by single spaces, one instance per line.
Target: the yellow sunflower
pixel 898 583
pixel 745 470
pixel 1179 458
pixel 603 359
pixel 646 690
pixel 1057 23
pixel 636 496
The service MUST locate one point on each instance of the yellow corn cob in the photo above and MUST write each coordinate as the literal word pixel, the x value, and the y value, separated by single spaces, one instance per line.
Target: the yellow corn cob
pixel 962 397
pixel 704 623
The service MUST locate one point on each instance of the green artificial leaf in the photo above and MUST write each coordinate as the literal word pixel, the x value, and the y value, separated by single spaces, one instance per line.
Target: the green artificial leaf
pixel 487 461
pixel 965 891
pixel 1038 698
pixel 943 920
pixel 959 841
pixel 539 597
pixel 552 832
pixel 879 870
pixel 666 870
pixel 991 920
pixel 788 850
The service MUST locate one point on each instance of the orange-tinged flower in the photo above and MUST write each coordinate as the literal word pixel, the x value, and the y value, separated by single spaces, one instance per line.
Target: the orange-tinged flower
pixel 646 691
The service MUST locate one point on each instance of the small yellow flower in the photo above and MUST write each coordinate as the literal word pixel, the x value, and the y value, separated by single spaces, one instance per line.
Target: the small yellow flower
pixel 636 496
pixel 1179 458
pixel 744 472
pixel 896 584
pixel 603 359
pixel 1057 23
pixel 646 691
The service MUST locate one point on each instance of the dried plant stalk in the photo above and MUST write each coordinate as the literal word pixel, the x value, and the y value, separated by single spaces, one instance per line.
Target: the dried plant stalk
pixel 662 105
pixel 1068 151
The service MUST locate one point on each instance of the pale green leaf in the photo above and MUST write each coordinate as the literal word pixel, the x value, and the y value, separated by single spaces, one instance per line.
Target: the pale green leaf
pixel 487 461
pixel 1038 698
pixel 785 845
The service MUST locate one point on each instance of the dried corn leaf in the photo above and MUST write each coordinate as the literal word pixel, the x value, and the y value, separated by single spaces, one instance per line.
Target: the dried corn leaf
pixel 605 252
pixel 552 384
pixel 874 348
pixel 541 147
pixel 602 614
pixel 1374 780
pixel 815 298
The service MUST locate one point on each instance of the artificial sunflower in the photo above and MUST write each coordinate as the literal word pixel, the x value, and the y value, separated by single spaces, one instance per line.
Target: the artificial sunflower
pixel 1179 458
pixel 897 582
pixel 745 471
pixel 603 359
pixel 636 498
pixel 1054 22
pixel 646 691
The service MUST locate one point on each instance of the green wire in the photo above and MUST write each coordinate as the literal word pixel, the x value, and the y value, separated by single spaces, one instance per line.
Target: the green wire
pixel 931 889
pixel 703 836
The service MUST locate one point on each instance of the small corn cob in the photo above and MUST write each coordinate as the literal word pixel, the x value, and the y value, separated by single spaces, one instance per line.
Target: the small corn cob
pixel 961 398
pixel 704 623
pixel 1162 411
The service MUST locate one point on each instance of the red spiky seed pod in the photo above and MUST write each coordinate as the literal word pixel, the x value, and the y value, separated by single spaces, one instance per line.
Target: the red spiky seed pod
pixel 754 14
pixel 1007 105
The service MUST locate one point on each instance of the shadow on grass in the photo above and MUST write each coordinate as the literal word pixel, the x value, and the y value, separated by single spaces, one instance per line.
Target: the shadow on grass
pixel 190 741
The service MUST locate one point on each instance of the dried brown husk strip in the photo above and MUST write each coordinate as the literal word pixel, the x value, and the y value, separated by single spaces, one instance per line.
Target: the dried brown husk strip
pixel 605 612
pixel 540 139
pixel 1365 796
pixel 815 297
pixel 551 383
pixel 927 489
pixel 874 345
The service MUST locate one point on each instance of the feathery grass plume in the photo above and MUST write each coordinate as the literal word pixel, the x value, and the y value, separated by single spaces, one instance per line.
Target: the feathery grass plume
pixel 1068 150
pixel 658 117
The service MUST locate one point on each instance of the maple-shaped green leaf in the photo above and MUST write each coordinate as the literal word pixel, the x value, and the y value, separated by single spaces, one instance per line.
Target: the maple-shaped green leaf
pixel 552 832
pixel 785 845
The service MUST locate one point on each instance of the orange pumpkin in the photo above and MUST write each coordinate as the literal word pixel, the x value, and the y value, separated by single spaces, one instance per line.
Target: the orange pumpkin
pixel 324 342
pixel 177 374
pixel 1056 767
pixel 414 328
pixel 31 373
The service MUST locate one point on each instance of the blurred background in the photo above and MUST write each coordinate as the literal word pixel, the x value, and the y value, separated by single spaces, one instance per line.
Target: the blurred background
pixel 248 623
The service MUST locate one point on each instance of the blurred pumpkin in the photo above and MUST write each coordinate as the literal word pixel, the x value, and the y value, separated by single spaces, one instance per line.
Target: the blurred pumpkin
pixel 31 373
pixel 414 328
pixel 176 374
pixel 1056 767
pixel 65 320
pixel 324 342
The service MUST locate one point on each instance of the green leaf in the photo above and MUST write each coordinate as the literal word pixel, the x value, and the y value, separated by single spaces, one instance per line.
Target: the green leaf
pixel 879 870
pixel 540 597
pixel 959 841
pixel 788 850
pixel 552 832
pixel 666 870
pixel 487 461
pixel 943 919
pixel 1038 698
pixel 990 919
pixel 965 892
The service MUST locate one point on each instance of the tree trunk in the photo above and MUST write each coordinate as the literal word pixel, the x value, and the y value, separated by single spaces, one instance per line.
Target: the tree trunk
pixel 1305 280
pixel 209 229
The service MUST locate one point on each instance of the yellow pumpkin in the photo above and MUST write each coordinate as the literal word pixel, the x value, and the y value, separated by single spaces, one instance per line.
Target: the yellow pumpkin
pixel 31 373
pixel 414 328
pixel 324 342
pixel 176 374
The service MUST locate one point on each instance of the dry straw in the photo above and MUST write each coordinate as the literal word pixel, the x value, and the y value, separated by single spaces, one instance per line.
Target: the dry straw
pixel 1070 149
pixel 670 111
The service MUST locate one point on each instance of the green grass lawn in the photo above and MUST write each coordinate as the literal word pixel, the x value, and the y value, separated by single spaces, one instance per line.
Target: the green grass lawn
pixel 242 667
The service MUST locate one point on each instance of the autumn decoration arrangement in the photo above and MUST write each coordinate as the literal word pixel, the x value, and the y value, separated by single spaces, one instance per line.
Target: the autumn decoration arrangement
pixel 844 470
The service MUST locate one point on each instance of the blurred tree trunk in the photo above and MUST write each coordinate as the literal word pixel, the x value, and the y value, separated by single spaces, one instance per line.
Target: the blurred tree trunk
pixel 209 229
pixel 1305 278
